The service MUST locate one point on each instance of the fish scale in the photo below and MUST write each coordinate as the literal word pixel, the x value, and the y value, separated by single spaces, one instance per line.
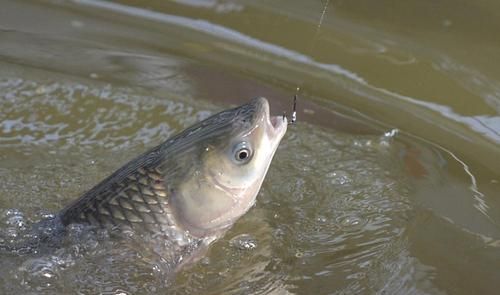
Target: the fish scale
pixel 142 200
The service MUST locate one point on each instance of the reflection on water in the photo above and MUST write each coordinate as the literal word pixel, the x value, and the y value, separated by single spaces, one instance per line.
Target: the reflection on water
pixel 344 210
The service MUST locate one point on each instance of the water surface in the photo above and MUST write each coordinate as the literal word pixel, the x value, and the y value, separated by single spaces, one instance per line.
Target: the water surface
pixel 389 184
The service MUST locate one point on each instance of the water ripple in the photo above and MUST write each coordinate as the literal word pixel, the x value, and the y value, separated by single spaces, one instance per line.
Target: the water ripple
pixel 69 114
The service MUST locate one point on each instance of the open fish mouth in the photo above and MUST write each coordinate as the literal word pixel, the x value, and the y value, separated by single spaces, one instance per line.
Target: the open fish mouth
pixel 279 124
pixel 276 125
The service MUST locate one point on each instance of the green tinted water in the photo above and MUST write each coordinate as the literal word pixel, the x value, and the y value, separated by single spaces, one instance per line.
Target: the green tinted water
pixel 347 208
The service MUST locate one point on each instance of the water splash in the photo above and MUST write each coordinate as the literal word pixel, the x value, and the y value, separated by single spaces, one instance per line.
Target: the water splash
pixel 244 242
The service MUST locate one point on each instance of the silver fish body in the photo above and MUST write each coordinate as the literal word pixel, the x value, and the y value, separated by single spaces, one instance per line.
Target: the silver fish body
pixel 185 193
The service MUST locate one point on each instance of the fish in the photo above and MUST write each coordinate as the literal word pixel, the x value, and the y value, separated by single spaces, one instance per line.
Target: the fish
pixel 184 194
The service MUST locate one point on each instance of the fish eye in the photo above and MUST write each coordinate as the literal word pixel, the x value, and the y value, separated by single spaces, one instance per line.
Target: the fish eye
pixel 242 152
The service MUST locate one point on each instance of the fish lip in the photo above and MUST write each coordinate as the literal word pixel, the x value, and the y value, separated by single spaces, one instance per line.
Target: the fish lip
pixel 277 125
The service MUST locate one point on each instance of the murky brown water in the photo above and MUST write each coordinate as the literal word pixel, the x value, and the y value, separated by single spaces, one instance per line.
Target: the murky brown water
pixel 347 208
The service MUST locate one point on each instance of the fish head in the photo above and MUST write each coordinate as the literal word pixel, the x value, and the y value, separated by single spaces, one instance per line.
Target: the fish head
pixel 235 150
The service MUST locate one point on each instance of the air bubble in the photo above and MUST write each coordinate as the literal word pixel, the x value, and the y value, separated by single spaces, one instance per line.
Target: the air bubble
pixel 244 242
pixel 339 177
pixel 351 222
pixel 40 272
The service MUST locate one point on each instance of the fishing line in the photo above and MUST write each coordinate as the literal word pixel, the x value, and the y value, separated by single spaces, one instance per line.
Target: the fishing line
pixel 309 50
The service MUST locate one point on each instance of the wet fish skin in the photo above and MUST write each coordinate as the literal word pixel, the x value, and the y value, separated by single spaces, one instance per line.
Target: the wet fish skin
pixel 184 194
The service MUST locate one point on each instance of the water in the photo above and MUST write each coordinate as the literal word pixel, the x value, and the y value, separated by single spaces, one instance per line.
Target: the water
pixel 388 184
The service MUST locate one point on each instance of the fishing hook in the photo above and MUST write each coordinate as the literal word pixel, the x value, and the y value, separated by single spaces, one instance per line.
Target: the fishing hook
pixel 294 111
